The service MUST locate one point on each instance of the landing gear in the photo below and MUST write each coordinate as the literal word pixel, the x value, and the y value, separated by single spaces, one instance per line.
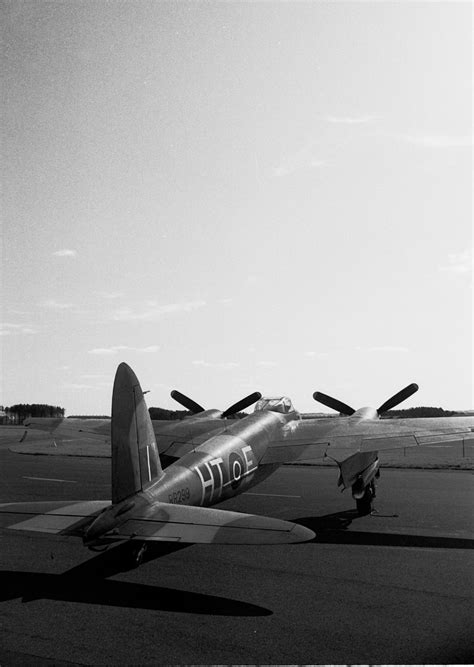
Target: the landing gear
pixel 137 554
pixel 364 504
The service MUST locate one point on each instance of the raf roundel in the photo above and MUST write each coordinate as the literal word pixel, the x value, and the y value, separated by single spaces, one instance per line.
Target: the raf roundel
pixel 236 469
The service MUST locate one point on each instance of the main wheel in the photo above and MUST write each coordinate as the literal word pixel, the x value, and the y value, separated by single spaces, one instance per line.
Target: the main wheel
pixel 364 504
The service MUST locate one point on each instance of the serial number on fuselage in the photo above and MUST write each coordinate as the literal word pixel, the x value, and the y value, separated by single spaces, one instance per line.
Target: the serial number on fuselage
pixel 179 496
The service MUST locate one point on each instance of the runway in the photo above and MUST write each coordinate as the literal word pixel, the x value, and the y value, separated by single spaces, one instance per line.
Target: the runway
pixel 395 587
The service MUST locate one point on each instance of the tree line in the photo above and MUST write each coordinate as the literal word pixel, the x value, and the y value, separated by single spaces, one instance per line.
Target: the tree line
pixel 421 411
pixel 171 415
pixel 36 410
pixel 21 411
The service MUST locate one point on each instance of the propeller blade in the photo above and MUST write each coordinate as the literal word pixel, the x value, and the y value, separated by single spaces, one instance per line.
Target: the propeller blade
pixel 398 398
pixel 333 403
pixel 242 404
pixel 186 402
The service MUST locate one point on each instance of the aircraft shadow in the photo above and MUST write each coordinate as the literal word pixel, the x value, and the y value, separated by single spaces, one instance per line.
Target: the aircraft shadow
pixel 88 583
pixel 333 529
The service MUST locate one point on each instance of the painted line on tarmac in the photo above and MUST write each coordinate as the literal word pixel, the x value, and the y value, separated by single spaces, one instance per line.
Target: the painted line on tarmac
pixel 273 495
pixel 50 479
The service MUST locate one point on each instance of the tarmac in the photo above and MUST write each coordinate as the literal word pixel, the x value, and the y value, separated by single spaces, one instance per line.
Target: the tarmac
pixel 395 587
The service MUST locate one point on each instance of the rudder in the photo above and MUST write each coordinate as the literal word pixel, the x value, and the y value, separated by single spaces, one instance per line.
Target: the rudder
pixel 135 460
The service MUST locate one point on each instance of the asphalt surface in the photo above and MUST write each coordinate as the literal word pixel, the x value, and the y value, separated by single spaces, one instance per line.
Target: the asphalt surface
pixel 394 587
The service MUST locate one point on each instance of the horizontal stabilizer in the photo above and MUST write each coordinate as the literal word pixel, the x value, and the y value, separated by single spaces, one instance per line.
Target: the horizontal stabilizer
pixel 166 522
pixel 207 525
pixel 55 517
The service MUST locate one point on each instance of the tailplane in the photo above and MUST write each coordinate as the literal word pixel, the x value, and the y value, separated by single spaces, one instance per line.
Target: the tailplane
pixel 135 460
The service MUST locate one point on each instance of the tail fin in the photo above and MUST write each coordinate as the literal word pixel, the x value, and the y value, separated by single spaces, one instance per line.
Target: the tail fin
pixel 135 459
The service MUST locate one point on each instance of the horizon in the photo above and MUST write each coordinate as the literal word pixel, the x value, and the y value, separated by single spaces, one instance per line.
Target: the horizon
pixel 315 413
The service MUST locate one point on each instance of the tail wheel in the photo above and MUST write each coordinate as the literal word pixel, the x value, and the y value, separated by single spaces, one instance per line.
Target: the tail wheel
pixel 364 504
pixel 138 552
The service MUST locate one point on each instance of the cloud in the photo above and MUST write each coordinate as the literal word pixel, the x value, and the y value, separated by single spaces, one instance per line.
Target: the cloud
pixel 109 295
pixel 63 307
pixel 317 355
pixel 74 385
pixel 460 263
pixel 108 350
pixel 14 311
pixel 352 120
pixel 114 349
pixel 9 328
pixel 154 312
pixel 221 366
pixel 267 364
pixel 437 141
pixel 57 305
pixel 384 348
pixel 65 252
pixel 305 158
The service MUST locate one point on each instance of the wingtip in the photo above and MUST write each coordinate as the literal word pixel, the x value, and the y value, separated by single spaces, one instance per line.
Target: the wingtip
pixel 302 534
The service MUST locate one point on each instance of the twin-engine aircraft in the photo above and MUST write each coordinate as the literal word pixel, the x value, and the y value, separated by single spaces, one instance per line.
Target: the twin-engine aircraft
pixel 207 459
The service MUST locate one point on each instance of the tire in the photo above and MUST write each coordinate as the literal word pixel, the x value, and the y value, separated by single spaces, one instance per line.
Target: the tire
pixel 136 557
pixel 364 504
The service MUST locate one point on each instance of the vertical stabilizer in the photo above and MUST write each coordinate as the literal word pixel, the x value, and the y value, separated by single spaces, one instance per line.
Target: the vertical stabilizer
pixel 135 460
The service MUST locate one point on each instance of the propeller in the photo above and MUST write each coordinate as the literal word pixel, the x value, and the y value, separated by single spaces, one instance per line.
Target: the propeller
pixel 333 403
pixel 344 409
pixel 195 408
pixel 186 402
pixel 397 398
pixel 242 404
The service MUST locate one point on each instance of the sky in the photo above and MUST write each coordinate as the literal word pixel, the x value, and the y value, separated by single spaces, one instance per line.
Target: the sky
pixel 235 197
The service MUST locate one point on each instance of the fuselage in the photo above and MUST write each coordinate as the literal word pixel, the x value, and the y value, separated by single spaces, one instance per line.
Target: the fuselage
pixel 224 466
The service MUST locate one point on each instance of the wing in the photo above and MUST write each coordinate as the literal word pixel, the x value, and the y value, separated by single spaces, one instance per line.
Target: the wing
pixel 92 436
pixel 55 517
pixel 339 437
pixel 65 428
pixel 207 525
pixel 166 522
pixel 176 438
pixel 73 437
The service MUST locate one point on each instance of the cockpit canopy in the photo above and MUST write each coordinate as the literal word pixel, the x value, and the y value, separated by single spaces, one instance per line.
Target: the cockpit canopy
pixel 280 404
